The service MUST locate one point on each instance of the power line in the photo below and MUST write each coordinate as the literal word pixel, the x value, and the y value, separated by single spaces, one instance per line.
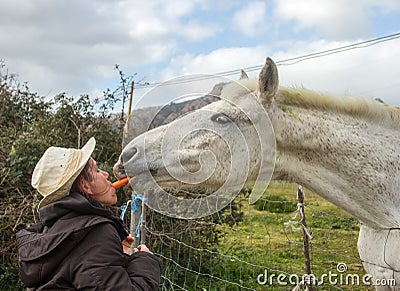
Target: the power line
pixel 341 49
pixel 285 62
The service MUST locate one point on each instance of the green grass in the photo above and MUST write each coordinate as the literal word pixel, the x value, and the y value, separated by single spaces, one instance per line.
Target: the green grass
pixel 262 241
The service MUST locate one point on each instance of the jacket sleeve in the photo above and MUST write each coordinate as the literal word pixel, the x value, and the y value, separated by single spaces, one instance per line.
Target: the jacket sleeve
pixel 101 264
pixel 144 269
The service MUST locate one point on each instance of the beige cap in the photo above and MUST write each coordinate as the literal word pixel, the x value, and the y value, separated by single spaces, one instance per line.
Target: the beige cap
pixel 57 170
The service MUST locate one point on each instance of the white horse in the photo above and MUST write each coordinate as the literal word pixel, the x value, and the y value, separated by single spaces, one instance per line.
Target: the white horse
pixel 343 148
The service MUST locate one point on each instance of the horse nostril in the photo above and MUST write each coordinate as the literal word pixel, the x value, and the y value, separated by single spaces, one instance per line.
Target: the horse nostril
pixel 119 170
pixel 128 154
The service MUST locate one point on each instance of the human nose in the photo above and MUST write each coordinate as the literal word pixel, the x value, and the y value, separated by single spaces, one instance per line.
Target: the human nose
pixel 105 174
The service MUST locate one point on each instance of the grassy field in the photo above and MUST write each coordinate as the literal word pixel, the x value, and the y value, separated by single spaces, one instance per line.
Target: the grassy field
pixel 263 244
pixel 266 244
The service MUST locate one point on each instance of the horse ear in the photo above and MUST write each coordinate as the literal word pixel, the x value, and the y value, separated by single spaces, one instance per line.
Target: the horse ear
pixel 268 82
pixel 243 75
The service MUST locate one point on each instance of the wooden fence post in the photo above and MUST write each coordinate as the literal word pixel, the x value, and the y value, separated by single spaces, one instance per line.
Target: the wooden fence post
pixel 306 247
pixel 135 220
pixel 143 221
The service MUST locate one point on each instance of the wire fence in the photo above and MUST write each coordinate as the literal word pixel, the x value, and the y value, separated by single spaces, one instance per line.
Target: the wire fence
pixel 260 246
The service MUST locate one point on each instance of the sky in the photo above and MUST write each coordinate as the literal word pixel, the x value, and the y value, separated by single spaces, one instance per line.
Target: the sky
pixel 72 46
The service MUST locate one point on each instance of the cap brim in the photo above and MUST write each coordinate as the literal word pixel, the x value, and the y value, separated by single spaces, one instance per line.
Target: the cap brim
pixel 63 190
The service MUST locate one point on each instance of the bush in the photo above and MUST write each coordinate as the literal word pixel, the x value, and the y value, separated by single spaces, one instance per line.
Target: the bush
pixel 276 204
pixel 28 126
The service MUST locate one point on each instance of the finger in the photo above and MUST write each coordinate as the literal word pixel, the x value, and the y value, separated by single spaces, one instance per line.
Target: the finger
pixel 144 248
pixel 130 239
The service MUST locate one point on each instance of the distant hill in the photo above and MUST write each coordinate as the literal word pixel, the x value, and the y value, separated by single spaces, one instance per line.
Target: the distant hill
pixel 143 119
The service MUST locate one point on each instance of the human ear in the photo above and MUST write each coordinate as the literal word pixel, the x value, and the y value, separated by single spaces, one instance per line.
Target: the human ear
pixel 85 188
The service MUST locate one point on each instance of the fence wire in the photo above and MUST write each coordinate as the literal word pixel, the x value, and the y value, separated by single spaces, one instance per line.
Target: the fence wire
pixel 248 247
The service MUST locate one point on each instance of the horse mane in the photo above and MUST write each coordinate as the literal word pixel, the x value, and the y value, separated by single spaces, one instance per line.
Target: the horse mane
pixel 350 105
pixel 309 99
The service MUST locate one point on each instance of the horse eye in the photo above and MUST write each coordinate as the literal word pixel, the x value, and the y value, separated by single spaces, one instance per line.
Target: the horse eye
pixel 220 118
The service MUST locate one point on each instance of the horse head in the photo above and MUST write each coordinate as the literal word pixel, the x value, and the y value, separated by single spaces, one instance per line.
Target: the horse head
pixel 217 149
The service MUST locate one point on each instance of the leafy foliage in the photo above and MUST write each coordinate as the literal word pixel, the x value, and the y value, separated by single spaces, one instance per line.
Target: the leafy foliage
pixel 276 204
pixel 28 126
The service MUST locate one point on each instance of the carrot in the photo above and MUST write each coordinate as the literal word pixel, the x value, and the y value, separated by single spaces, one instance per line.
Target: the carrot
pixel 120 183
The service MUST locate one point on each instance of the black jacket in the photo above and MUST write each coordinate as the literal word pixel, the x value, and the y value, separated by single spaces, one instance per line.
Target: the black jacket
pixel 77 245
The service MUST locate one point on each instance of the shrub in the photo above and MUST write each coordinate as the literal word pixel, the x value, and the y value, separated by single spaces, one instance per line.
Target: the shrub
pixel 276 204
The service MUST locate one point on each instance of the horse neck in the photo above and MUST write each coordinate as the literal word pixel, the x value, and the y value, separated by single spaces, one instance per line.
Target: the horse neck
pixel 352 162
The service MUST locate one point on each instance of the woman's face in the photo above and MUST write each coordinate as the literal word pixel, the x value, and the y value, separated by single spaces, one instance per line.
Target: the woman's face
pixel 100 188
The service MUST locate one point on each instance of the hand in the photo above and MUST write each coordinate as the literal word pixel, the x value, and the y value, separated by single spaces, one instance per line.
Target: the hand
pixel 126 244
pixel 142 248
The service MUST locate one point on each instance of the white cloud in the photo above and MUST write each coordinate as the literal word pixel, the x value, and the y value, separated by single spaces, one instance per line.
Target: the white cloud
pixel 165 20
pixel 367 72
pixel 387 6
pixel 251 20
pixel 219 60
pixel 195 31
pixel 201 66
pixel 333 18
pixel 67 45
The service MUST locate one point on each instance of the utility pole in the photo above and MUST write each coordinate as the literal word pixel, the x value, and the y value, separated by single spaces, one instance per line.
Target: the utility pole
pixel 128 117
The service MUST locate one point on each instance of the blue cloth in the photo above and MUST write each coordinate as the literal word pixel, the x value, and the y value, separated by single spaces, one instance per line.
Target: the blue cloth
pixel 134 207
